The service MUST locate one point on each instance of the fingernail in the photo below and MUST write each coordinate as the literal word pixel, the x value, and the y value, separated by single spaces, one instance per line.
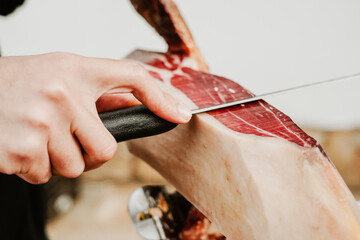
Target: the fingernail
pixel 184 113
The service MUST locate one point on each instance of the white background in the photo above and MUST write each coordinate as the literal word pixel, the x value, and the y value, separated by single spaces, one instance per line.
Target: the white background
pixel 264 45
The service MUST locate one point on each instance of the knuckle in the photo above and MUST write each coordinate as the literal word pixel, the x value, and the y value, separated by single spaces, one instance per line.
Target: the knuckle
pixel 69 168
pixel 28 151
pixel 22 155
pixel 7 169
pixel 63 58
pixel 56 93
pixel 73 172
pixel 38 120
pixel 139 72
pixel 42 181
pixel 159 105
pixel 40 178
pixel 106 154
pixel 34 173
pixel 64 62
pixel 136 67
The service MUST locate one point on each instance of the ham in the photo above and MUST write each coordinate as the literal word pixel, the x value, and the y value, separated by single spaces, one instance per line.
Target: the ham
pixel 250 169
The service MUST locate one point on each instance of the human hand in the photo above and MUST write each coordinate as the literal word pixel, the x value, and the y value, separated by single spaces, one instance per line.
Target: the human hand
pixel 49 122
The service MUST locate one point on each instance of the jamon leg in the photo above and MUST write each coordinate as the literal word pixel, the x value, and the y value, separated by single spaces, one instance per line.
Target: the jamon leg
pixel 249 169
pixel 257 179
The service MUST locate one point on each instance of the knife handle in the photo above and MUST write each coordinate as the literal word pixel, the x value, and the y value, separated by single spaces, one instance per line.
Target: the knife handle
pixel 134 122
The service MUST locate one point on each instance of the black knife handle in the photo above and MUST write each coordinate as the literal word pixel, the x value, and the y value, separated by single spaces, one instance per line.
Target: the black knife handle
pixel 134 122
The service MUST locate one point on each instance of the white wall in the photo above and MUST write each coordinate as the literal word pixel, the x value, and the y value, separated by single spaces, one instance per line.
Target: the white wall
pixel 264 45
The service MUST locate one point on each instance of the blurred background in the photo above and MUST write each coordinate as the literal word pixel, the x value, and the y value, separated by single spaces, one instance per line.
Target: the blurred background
pixel 264 45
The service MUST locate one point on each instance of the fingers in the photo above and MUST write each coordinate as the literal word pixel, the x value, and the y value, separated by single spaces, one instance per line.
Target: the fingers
pixel 99 146
pixel 109 74
pixel 40 170
pixel 65 154
pixel 164 106
pixel 29 160
pixel 109 102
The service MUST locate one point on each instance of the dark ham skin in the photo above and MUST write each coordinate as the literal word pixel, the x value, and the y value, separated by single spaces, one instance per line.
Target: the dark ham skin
pixel 165 18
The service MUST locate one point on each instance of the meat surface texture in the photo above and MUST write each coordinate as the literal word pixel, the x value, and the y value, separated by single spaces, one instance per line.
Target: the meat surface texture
pixel 250 169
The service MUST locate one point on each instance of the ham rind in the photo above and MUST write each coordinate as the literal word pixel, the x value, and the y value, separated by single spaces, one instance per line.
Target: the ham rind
pixel 248 168
pixel 164 16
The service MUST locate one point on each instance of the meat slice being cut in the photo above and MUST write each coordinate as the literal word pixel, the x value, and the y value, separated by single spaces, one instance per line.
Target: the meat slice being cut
pixel 250 169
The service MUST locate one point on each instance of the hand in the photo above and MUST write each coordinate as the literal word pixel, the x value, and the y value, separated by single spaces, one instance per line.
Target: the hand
pixel 49 123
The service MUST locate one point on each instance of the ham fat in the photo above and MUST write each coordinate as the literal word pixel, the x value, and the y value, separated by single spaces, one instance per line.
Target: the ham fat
pixel 250 169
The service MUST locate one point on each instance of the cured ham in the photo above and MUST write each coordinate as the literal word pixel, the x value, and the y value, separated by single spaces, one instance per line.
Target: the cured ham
pixel 244 167
pixel 250 169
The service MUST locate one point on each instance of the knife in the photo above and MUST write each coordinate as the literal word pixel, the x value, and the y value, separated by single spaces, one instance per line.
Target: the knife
pixel 137 122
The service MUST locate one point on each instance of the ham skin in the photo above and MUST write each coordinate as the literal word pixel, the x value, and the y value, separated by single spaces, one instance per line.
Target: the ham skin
pixel 250 169
pixel 165 18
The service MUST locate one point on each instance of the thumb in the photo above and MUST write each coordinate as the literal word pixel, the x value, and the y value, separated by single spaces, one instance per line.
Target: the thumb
pixel 110 74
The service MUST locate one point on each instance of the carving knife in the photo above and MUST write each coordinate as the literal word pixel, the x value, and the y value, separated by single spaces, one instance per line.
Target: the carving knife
pixel 137 122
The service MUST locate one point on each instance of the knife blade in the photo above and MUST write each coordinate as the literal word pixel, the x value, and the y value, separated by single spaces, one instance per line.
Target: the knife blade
pixel 137 122
pixel 273 93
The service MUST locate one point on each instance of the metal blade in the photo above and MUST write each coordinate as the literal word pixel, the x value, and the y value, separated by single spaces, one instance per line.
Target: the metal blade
pixel 273 93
